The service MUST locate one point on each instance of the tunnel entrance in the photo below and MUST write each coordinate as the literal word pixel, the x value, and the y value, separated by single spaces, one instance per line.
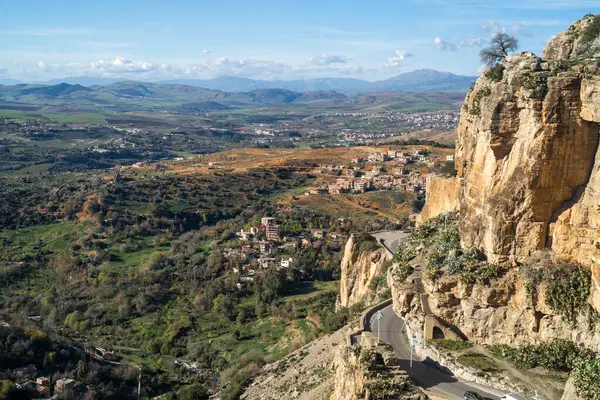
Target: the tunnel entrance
pixel 438 333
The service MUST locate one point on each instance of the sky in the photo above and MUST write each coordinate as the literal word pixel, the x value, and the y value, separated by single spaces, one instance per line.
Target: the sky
pixel 266 39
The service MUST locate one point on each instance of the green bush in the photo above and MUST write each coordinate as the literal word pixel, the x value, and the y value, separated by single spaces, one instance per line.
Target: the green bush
pixel 404 253
pixel 495 73
pixel 586 375
pixel 364 242
pixel 567 289
pixel 387 388
pixel 403 271
pixel 568 294
pixel 533 81
pixel 479 362
pixel 481 93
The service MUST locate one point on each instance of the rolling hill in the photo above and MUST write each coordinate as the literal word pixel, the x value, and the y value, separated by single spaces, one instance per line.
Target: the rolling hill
pixel 422 80
pixel 145 96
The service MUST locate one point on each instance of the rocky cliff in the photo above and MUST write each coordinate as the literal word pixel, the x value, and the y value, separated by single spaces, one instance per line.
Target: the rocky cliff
pixel 442 195
pixel 504 312
pixel 527 153
pixel 370 371
pixel 359 268
pixel 528 195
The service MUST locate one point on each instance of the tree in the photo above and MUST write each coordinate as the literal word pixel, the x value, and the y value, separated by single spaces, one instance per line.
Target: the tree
pixel 224 305
pixel 268 286
pixel 306 261
pixel 500 45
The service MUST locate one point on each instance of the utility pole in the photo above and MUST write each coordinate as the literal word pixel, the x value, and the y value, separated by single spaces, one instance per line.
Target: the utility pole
pixel 413 343
pixel 379 316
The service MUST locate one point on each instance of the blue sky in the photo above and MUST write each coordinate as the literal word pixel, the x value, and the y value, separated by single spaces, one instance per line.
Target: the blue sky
pixel 266 39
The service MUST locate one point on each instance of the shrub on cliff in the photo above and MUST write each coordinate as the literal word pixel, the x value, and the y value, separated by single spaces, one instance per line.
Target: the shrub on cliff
pixel 586 375
pixel 495 73
pixel 364 242
pixel 568 291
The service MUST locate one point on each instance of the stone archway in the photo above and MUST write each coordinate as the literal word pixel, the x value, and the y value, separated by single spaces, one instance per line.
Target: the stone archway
pixel 437 329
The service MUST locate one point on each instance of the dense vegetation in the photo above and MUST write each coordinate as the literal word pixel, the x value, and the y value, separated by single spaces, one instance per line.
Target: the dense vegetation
pixel 144 262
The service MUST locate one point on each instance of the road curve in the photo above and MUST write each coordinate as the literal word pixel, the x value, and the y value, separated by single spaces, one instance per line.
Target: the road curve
pixel 424 373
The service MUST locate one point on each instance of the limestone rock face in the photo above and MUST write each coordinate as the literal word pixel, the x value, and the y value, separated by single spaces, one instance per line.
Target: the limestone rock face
pixel 570 43
pixel 503 313
pixel 442 195
pixel 349 376
pixel 523 154
pixel 353 375
pixel 358 271
pixel 528 159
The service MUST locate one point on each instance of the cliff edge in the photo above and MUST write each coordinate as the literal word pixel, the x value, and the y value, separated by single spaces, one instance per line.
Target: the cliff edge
pixel 527 153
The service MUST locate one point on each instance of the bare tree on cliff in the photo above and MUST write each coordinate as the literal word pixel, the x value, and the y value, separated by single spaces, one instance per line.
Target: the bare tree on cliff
pixel 501 44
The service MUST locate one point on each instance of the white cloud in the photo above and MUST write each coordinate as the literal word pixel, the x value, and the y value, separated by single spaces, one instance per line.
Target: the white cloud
pixel 42 65
pixel 444 45
pixel 491 27
pixel 264 69
pixel 120 65
pixel 328 59
pixel 396 61
pixel 206 51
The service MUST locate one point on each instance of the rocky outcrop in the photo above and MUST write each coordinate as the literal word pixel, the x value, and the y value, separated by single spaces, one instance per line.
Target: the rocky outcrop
pixel 571 43
pixel 502 313
pixel 524 157
pixel 527 154
pixel 358 270
pixel 371 371
pixel 442 196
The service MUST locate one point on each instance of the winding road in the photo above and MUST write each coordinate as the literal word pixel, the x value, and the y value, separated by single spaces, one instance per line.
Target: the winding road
pixel 425 373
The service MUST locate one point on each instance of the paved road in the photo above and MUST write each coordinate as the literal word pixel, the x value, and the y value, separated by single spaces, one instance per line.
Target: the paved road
pixel 424 373
pixel 391 239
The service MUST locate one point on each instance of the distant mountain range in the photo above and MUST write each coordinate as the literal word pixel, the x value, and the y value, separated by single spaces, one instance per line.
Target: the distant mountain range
pixel 422 80
pixel 135 96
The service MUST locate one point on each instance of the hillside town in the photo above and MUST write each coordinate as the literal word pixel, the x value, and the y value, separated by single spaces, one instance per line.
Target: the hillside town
pixel 262 247
pixel 380 171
